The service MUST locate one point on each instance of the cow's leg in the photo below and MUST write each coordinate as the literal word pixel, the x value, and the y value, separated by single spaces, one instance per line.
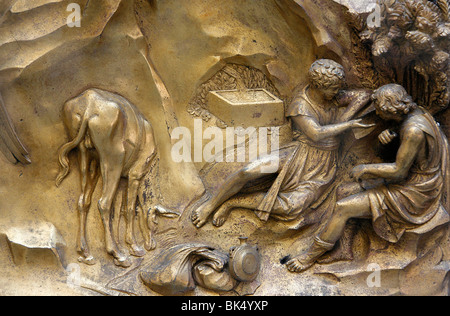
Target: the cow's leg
pixel 89 178
pixel 140 168
pixel 118 210
pixel 111 176
pixel 149 242
pixel 111 162
pixel 133 186
pixel 106 132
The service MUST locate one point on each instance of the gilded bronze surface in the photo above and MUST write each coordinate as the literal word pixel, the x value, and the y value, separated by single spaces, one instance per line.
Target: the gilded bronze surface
pixel 232 148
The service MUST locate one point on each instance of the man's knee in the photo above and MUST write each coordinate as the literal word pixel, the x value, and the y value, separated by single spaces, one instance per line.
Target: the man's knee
pixel 249 172
pixel 342 212
pixel 356 207
pixel 266 165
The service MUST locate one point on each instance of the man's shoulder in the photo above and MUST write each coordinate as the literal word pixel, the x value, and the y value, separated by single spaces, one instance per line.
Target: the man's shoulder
pixel 414 128
pixel 421 120
pixel 300 105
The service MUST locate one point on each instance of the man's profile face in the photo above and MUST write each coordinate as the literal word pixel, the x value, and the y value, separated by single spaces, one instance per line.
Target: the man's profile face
pixel 386 115
pixel 331 92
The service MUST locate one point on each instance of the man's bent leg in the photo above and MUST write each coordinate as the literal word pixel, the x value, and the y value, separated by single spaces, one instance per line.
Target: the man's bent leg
pixel 232 186
pixel 355 206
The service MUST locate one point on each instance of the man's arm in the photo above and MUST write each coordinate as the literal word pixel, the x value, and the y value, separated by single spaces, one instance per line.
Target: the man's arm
pixel 316 132
pixel 355 101
pixel 411 142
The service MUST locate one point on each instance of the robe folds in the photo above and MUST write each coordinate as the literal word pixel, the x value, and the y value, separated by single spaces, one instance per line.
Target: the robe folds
pixel 305 182
pixel 421 202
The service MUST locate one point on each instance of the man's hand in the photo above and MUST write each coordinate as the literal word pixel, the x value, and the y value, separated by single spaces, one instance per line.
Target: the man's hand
pixel 387 137
pixel 358 172
pixel 359 124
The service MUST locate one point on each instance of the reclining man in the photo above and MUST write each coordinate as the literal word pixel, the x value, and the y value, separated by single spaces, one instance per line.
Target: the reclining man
pixel 320 113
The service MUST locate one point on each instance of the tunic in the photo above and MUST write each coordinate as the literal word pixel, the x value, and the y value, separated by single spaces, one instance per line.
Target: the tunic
pixel 306 178
pixel 421 203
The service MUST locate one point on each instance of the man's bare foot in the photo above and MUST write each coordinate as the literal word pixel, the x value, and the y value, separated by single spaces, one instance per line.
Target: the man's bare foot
pixel 339 254
pixel 344 249
pixel 197 210
pixel 307 259
pixel 300 264
pixel 222 214
pixel 200 215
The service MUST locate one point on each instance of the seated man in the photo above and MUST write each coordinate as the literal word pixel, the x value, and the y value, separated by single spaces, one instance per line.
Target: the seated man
pixel 416 185
pixel 320 113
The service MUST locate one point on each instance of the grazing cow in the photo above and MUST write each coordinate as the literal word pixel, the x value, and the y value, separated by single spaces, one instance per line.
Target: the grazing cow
pixel 115 141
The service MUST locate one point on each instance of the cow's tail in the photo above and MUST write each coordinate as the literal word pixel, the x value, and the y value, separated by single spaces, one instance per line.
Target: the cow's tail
pixel 66 149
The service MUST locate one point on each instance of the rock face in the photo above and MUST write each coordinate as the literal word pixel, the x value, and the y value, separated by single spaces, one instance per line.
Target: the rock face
pixel 36 243
pixel 171 59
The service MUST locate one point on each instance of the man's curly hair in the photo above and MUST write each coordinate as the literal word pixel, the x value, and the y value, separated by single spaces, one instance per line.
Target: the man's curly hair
pixel 394 99
pixel 326 73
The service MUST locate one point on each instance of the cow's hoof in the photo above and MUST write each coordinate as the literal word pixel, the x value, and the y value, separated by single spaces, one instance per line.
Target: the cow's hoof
pixel 150 244
pixel 123 262
pixel 137 251
pixel 87 260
